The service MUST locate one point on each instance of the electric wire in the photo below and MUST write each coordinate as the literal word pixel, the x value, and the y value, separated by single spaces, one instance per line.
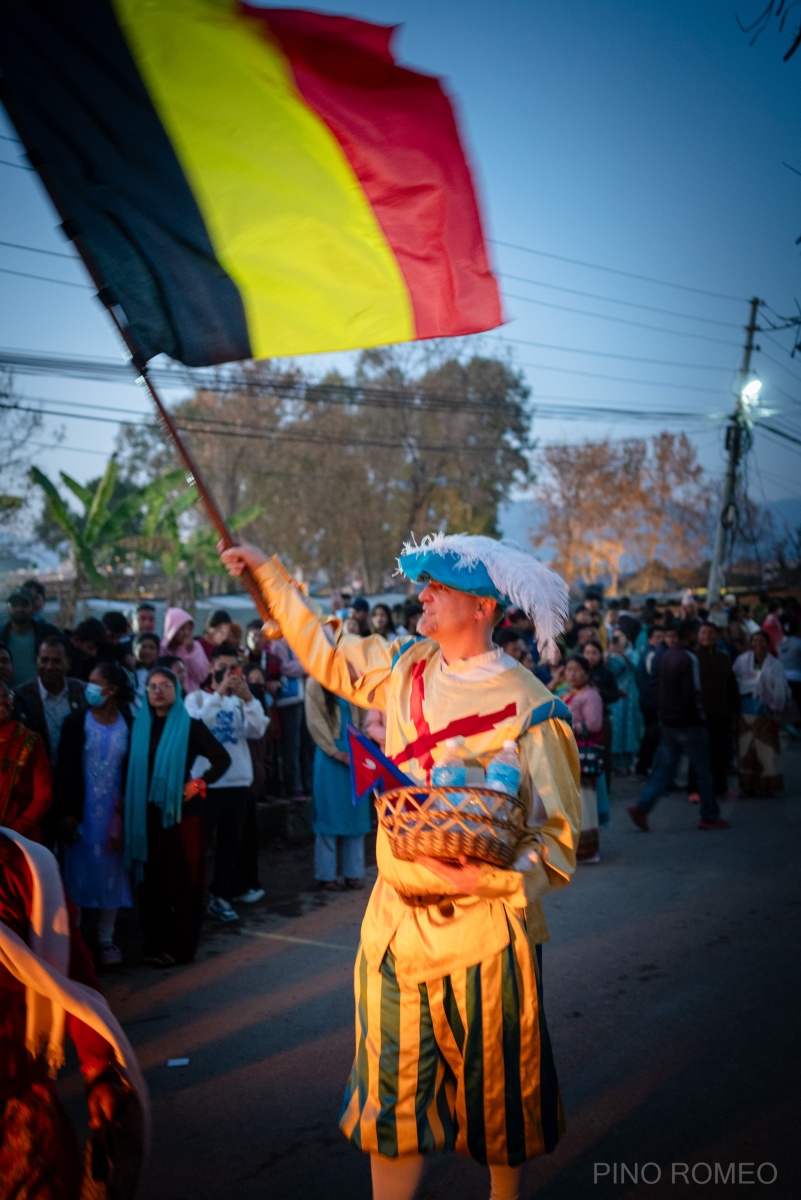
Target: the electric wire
pixel 40 250
pixel 582 312
pixel 4 162
pixel 654 362
pixel 116 371
pixel 665 312
pixel 578 262
pixel 85 287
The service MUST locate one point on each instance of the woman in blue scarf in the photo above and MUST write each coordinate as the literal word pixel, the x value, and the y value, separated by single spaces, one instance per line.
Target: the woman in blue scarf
pixel 164 844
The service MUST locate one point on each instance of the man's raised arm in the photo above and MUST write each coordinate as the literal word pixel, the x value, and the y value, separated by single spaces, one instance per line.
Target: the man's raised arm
pixel 356 668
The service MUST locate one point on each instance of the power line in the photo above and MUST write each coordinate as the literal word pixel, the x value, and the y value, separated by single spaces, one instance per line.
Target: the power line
pixel 542 411
pixel 577 262
pixel 248 433
pixel 654 362
pixel 85 287
pixel 665 312
pixel 787 437
pixel 20 166
pixel 115 371
pixel 38 250
pixel 582 312
pixel 5 138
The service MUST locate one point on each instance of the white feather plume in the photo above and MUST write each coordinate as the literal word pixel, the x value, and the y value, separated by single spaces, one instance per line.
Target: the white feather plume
pixel 529 584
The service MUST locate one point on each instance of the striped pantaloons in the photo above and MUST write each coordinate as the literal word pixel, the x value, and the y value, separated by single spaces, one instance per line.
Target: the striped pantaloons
pixel 459 1063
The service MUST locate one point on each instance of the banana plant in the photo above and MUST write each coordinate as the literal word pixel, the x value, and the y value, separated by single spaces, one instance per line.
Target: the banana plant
pixel 94 534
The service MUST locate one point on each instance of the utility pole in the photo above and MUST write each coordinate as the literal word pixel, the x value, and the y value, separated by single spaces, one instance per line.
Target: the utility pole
pixel 736 432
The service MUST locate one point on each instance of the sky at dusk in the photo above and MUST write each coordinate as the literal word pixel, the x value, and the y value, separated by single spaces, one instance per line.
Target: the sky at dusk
pixel 649 140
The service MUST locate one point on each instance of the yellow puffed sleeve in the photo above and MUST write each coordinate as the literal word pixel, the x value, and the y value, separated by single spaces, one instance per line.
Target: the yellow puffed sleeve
pixel 355 668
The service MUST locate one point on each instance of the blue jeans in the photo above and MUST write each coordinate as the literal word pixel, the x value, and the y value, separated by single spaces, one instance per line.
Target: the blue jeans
pixel 325 857
pixel 694 742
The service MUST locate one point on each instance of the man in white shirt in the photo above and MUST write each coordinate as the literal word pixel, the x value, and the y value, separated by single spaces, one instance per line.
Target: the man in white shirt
pixel 233 715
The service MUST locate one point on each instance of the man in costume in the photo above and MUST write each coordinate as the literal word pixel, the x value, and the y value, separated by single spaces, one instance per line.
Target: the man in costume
pixel 452 1050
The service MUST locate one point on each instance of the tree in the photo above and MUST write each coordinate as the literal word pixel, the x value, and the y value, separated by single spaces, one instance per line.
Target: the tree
pixel 95 534
pixel 343 470
pixel 605 501
pixel 20 425
pixel 780 9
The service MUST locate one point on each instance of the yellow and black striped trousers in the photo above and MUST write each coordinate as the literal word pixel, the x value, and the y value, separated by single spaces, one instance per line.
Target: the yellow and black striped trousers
pixel 460 1063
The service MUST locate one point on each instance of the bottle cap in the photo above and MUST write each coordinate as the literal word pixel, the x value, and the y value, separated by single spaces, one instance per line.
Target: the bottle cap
pixel 451 743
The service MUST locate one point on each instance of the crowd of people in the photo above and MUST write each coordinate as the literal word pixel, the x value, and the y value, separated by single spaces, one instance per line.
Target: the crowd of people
pixel 652 686
pixel 140 757
pixel 141 752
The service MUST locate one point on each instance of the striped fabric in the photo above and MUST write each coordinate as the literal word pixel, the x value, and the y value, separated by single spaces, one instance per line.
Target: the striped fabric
pixel 250 181
pixel 460 1063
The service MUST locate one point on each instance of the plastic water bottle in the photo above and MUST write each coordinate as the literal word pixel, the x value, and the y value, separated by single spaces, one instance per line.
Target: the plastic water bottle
pixel 504 773
pixel 451 770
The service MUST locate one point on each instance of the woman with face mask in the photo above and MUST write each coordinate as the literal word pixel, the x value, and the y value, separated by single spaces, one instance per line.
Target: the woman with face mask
pixel 90 787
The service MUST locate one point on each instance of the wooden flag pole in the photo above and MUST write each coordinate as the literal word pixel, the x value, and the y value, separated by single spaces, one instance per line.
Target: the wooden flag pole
pixel 194 479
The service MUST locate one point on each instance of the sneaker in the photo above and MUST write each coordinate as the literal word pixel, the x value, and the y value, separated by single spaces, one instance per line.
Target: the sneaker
pixel 251 896
pixel 694 797
pixel 717 824
pixel 110 955
pixel 638 817
pixel 221 909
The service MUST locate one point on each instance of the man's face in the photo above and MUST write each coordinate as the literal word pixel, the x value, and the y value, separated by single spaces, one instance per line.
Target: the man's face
pixel 445 611
pixel 583 617
pixel 37 601
pixel 593 604
pixel 707 637
pixel 20 611
pixel 585 633
pixel 145 621
pixel 671 638
pixel 51 667
pixel 656 638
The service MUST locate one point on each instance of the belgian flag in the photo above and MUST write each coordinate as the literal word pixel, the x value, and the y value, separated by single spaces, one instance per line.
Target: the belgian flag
pixel 249 181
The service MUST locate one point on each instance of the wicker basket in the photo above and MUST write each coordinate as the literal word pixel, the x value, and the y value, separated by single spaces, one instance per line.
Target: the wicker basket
pixel 446 822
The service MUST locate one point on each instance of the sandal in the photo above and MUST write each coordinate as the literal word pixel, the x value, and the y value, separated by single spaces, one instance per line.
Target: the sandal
pixel 331 885
pixel 355 885
pixel 160 960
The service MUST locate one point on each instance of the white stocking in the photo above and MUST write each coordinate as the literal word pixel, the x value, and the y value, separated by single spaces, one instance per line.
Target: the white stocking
pixel 505 1183
pixel 396 1178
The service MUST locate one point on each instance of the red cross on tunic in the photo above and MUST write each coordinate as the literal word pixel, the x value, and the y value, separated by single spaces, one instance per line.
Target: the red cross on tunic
pixel 427 738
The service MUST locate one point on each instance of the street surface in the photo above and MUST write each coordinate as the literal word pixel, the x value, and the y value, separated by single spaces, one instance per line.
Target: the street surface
pixel 672 990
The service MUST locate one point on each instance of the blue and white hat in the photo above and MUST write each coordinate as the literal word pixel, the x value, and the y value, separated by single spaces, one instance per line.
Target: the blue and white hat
pixel 482 566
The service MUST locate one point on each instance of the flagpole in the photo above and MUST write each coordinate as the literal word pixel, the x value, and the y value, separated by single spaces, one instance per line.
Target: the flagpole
pixel 193 476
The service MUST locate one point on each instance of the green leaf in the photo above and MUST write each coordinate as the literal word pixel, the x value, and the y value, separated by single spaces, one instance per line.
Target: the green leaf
pixel 84 494
pixel 98 510
pixel 245 516
pixel 65 520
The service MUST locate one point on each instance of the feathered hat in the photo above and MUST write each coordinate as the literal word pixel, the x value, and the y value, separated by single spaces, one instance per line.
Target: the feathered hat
pixel 483 566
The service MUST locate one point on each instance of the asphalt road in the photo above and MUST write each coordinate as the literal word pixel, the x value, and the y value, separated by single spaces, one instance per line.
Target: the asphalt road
pixel 672 990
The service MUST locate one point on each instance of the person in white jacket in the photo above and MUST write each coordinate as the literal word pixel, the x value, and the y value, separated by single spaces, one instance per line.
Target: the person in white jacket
pixel 233 715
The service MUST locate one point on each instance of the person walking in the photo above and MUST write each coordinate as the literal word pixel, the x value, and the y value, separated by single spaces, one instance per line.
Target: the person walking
pixel 164 843
pixel 233 715
pixel 90 791
pixel 683 731
pixel 334 815
pixel 721 703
